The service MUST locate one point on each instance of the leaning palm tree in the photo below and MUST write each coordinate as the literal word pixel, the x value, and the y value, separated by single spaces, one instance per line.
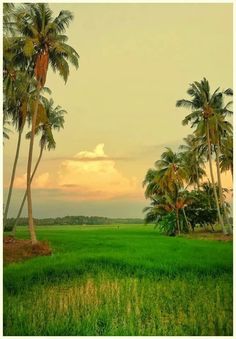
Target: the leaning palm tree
pixel 41 41
pixel 17 94
pixel 55 121
pixel 204 107
pixel 19 99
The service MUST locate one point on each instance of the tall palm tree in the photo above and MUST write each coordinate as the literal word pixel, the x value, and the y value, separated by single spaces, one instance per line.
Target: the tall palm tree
pixel 18 89
pixel 19 99
pixel 204 108
pixel 55 121
pixel 16 97
pixel 219 128
pixel 41 41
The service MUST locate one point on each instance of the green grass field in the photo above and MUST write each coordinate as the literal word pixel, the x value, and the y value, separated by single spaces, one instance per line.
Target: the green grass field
pixel 105 280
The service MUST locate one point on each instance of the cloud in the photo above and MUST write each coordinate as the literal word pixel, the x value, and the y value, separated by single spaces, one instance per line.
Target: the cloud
pixel 96 179
pixel 89 175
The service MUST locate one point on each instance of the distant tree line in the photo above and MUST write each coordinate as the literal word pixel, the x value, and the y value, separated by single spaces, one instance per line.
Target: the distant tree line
pixel 74 220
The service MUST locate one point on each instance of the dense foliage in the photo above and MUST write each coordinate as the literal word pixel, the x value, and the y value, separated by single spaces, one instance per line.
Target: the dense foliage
pixel 177 188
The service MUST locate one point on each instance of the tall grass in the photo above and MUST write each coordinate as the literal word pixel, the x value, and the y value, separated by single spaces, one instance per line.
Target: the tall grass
pixel 120 281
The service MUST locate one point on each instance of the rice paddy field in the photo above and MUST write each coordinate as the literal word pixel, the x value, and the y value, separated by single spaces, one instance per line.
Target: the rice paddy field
pixel 120 280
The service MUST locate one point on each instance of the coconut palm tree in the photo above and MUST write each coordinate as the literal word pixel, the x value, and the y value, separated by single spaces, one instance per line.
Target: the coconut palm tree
pixel 151 183
pixel 205 107
pixel 55 121
pixel 18 90
pixel 171 170
pixel 19 99
pixel 226 157
pixel 193 160
pixel 16 97
pixel 219 128
pixel 164 185
pixel 41 43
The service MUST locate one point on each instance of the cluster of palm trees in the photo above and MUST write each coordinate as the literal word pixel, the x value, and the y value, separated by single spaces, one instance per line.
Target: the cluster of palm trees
pixel 176 182
pixel 33 40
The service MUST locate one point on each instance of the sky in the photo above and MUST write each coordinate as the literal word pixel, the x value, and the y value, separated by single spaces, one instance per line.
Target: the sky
pixel 136 60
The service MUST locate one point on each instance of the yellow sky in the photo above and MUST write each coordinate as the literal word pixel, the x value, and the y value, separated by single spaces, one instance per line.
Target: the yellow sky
pixel 136 60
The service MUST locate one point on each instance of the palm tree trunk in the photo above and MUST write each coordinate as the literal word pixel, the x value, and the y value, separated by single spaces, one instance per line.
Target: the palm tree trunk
pixel 185 218
pixel 25 195
pixel 177 220
pixel 12 177
pixel 212 177
pixel 29 198
pixel 217 149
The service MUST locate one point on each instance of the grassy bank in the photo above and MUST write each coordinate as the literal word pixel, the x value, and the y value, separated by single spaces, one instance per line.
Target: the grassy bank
pixel 126 280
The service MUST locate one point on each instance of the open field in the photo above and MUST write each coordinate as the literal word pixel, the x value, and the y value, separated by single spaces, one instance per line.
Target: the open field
pixel 126 280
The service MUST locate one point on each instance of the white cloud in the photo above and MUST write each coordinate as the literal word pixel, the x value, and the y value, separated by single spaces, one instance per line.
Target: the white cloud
pixel 98 178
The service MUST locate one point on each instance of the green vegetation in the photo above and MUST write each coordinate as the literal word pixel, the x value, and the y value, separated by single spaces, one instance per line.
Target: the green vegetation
pixel 115 279
pixel 33 41
pixel 126 280
pixel 179 197
pixel 74 220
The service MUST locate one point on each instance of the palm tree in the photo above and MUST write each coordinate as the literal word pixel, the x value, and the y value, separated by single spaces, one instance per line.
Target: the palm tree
pixel 151 183
pixel 165 185
pixel 171 170
pixel 19 99
pixel 41 42
pixel 8 23
pixel 16 97
pixel 204 108
pixel 55 121
pixel 18 90
pixel 219 128
pixel 193 160
pixel 226 157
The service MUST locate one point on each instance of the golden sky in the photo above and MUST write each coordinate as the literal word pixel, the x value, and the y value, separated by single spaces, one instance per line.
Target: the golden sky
pixel 136 60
